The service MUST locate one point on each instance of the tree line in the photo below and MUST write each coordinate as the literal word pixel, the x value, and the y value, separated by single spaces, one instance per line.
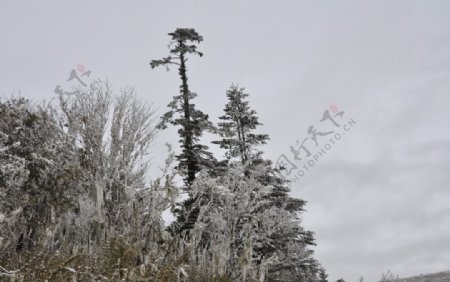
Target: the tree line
pixel 75 202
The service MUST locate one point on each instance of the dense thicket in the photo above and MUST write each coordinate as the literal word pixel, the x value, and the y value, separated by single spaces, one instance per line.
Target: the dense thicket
pixel 76 203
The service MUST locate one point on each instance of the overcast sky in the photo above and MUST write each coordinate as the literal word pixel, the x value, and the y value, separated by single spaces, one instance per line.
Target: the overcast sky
pixel 379 198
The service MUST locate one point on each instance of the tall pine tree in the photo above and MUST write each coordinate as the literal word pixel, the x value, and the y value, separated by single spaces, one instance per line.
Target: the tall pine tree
pixel 194 156
pixel 182 112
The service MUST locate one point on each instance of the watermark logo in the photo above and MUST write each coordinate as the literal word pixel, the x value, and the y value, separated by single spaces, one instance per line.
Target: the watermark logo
pixel 76 74
pixel 307 152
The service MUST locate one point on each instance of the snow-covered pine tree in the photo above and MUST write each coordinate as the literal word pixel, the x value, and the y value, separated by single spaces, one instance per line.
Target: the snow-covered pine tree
pixel 236 129
pixel 323 276
pixel 182 112
pixel 284 238
pixel 289 241
pixel 194 156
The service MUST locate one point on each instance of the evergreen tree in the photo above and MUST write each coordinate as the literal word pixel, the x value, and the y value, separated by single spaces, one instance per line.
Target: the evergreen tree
pixel 193 122
pixel 284 237
pixel 182 112
pixel 323 276
pixel 288 239
pixel 238 123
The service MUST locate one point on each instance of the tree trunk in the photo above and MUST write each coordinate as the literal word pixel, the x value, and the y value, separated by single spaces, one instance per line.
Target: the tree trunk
pixel 188 146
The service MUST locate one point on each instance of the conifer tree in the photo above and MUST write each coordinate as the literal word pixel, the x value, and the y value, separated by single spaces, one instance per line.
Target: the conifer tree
pixel 238 123
pixel 182 112
pixel 287 240
pixel 323 276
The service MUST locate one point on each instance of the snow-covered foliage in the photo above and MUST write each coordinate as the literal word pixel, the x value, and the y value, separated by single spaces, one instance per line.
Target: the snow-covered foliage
pixel 244 235
pixel 38 176
pixel 237 126
pixel 76 203
pixel 73 180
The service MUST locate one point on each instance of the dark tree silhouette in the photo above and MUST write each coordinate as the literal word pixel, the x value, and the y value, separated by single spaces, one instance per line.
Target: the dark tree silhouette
pixel 182 112
pixel 238 123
